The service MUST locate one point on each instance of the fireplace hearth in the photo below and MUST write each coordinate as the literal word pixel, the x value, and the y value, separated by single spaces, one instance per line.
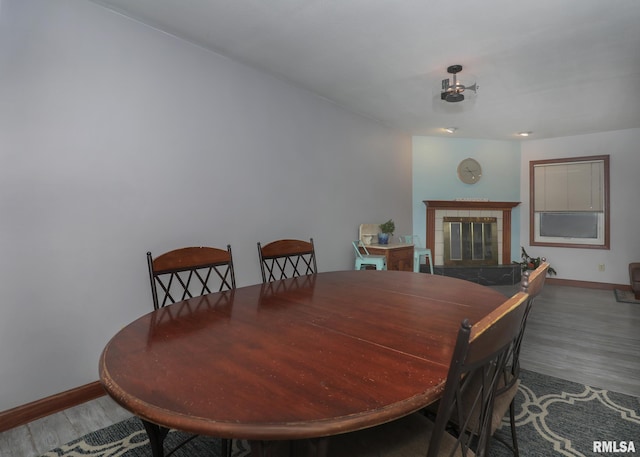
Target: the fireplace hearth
pixel 486 275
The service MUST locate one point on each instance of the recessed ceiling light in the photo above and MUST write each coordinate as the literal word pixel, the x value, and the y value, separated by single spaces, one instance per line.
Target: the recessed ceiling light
pixel 450 129
pixel 525 133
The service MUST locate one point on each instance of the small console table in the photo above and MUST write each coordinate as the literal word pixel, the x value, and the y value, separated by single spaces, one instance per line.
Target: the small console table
pixel 399 256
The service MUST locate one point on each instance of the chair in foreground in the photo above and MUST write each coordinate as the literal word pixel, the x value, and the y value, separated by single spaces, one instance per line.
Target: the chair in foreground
pixel 189 272
pixel 532 283
pixel 178 275
pixel 418 251
pixel 479 359
pixel 363 260
pixel 284 259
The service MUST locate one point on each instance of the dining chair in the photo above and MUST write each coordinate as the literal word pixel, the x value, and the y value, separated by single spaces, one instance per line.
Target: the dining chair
pixel 189 272
pixel 282 259
pixel 479 357
pixel 418 251
pixel 363 260
pixel 532 283
pixel 178 275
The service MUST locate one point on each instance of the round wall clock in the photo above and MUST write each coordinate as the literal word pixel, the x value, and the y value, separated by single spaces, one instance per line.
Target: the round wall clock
pixel 469 171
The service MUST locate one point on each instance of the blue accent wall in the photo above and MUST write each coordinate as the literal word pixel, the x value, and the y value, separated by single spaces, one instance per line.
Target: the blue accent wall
pixel 435 163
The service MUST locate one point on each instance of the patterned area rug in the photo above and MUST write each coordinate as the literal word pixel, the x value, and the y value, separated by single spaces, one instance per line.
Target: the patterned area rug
pixel 553 417
pixel 129 439
pixel 558 417
pixel 626 296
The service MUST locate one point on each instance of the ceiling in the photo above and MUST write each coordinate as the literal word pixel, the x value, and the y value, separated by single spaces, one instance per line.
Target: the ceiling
pixel 552 67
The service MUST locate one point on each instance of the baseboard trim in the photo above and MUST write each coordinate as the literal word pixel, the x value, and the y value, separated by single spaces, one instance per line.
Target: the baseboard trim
pixel 23 414
pixel 586 284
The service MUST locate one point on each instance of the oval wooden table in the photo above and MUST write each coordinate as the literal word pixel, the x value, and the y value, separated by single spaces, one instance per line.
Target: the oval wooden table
pixel 300 358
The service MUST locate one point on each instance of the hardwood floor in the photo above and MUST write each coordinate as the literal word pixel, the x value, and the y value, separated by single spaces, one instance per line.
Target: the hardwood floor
pixel 582 335
pixel 44 434
pixel 585 336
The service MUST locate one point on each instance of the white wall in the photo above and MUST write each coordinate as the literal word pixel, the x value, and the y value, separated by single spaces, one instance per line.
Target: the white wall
pixel 582 264
pixel 435 163
pixel 117 139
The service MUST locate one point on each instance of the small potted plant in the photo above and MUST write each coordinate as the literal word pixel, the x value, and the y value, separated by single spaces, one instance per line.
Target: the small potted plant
pixel 531 263
pixel 387 230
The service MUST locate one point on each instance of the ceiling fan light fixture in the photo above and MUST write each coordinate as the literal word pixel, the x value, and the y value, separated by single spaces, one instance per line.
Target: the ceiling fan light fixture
pixel 524 134
pixel 452 89
pixel 450 129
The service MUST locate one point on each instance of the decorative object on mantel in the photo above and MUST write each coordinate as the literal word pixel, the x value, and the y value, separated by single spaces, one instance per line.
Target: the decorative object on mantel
pixel 387 229
pixel 531 263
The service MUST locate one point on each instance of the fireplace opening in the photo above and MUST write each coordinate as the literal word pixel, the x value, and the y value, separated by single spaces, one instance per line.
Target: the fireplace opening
pixel 470 241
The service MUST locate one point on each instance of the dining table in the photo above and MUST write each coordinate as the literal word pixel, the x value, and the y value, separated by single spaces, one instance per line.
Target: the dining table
pixel 294 360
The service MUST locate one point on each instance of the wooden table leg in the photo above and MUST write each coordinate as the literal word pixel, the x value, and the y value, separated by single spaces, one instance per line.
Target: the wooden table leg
pixel 156 435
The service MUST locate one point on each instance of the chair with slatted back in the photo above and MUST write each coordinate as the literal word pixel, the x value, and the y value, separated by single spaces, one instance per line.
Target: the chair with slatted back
pixel 189 272
pixel 479 358
pixel 532 283
pixel 282 259
pixel 179 275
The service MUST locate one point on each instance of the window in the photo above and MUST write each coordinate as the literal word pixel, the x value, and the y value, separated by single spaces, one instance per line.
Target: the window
pixel 570 202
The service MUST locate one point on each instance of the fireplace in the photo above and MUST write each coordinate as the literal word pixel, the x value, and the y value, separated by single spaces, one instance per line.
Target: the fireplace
pixel 479 240
pixel 437 210
pixel 470 240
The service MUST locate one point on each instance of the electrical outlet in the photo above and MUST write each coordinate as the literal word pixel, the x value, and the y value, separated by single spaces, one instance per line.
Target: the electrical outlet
pixel 601 267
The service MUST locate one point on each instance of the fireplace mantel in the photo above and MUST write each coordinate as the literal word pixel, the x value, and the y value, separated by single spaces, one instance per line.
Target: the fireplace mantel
pixel 472 205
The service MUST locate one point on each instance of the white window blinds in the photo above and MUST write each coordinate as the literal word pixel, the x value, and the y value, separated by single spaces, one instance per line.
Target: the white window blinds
pixel 569 187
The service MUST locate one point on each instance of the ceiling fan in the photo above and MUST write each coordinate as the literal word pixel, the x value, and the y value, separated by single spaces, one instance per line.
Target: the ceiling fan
pixel 453 88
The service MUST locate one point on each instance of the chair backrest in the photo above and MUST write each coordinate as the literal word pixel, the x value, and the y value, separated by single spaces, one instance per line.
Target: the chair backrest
pixel 189 272
pixel 532 283
pixel 479 357
pixel 283 259
pixel 408 239
pixel 411 239
pixel 533 280
pixel 357 245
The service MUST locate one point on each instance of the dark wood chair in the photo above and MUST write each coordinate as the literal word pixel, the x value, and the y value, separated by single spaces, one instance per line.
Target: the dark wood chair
pixel 532 283
pixel 479 358
pixel 283 259
pixel 178 275
pixel 189 272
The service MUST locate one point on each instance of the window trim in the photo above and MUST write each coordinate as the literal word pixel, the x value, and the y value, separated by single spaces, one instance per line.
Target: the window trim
pixel 606 244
